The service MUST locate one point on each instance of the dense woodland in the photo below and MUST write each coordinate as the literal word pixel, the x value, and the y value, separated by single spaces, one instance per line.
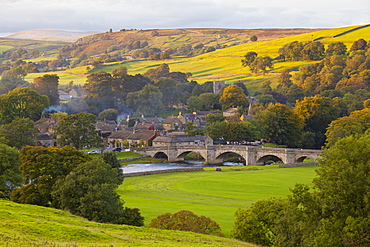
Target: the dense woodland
pixel 319 105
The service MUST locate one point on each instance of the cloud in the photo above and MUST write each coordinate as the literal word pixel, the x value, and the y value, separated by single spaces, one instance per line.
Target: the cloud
pixel 100 15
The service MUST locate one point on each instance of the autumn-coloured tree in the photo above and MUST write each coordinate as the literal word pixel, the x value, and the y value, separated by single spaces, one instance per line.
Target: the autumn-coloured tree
pixel 233 96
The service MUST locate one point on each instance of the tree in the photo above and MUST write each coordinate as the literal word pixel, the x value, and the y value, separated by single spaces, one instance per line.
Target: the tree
pixel 78 130
pixel 291 51
pixel 210 101
pixel 233 96
pixel 111 159
pixel 280 124
pixel 351 85
pixel 102 91
pixel 10 175
pixel 317 112
pixel 155 74
pixel 22 103
pixel 242 85
pixel 356 123
pixel 336 48
pixel 253 38
pixel 249 58
pixel 257 224
pixel 335 213
pixel 231 131
pixel 195 103
pixel 13 78
pixel 359 44
pixel 266 99
pixel 185 220
pixel 284 81
pixel 169 89
pixel 261 63
pixel 239 131
pixel 342 189
pixel 279 97
pixel 313 51
pixel 147 101
pixel 90 192
pixel 47 85
pixel 108 114
pixel 41 168
pixel 19 133
pixel 213 118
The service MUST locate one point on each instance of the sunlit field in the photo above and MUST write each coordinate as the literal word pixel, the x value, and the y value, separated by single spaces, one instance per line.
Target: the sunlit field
pixel 211 193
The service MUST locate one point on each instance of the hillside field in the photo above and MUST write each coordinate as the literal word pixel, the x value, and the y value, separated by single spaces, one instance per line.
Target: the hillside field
pixel 225 64
pixel 216 195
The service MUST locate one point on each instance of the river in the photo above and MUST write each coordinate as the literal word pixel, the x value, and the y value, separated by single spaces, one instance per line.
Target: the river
pixel 133 168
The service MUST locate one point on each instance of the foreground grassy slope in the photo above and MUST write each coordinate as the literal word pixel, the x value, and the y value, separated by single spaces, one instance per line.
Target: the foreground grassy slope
pixel 213 194
pixel 28 225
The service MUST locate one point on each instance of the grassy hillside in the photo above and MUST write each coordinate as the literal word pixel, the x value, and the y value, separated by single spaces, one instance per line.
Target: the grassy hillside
pixel 28 225
pixel 225 64
pixel 210 193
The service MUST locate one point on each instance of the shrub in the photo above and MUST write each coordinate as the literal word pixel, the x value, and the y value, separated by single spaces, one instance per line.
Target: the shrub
pixel 185 220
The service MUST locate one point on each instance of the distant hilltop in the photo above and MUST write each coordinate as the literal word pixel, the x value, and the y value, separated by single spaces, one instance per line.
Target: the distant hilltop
pixel 51 35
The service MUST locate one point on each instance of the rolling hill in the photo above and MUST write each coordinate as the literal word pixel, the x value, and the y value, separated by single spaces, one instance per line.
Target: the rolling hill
pixel 51 35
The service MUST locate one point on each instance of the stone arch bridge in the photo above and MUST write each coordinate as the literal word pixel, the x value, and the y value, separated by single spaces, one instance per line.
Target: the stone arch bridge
pixel 215 154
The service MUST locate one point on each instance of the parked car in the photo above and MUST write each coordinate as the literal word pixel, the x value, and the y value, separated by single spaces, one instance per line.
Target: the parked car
pixel 94 152
pixel 118 149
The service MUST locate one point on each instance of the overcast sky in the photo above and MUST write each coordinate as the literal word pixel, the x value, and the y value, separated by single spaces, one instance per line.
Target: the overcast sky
pixel 101 15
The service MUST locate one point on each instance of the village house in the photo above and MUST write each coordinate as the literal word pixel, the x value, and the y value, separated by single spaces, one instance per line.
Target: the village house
pixel 124 138
pixel 76 93
pixel 45 140
pixel 183 140
pixel 45 127
pixel 141 138
pixel 229 112
pixel 107 127
pixel 172 123
pixel 197 120
pixel 63 96
pixel 119 138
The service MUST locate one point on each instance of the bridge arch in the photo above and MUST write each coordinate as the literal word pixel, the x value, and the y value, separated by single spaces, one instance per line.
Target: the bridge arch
pixel 302 158
pixel 224 155
pixel 183 154
pixel 267 158
pixel 160 155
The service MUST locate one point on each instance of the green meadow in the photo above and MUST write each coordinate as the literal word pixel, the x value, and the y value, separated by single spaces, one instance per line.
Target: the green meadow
pixel 29 225
pixel 211 193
